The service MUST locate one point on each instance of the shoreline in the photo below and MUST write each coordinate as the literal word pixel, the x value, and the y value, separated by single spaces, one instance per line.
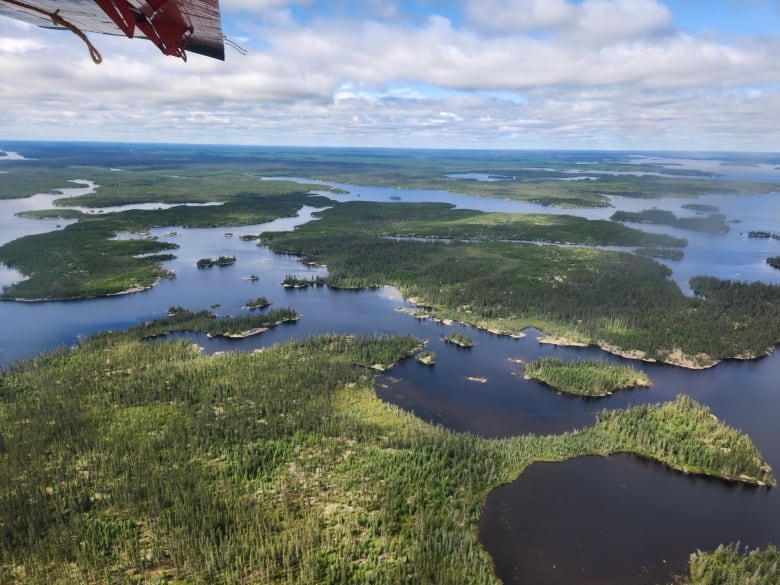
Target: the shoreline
pixel 675 357
pixel 255 331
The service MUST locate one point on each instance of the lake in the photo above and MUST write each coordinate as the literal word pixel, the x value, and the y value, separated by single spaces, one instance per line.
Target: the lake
pixel 591 520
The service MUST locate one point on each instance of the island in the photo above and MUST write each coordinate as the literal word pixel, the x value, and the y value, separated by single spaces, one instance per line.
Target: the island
pixel 761 234
pixel 181 319
pixel 701 207
pixel 459 339
pixel 774 261
pixel 258 303
pixel 292 281
pixel 714 223
pixel 427 358
pixel 585 377
pixel 663 253
pixel 219 261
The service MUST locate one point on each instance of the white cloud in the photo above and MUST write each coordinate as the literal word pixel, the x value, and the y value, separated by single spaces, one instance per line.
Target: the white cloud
pixel 437 84
pixel 595 21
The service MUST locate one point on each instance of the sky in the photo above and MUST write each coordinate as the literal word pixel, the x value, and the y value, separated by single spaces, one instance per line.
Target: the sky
pixel 497 74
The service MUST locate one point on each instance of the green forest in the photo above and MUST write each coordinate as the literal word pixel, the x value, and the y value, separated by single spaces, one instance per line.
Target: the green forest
pixel 131 462
pixel 728 564
pixel 619 301
pixel 688 437
pixel 585 377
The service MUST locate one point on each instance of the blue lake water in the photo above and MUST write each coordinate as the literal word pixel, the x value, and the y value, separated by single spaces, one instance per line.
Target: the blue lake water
pixel 614 520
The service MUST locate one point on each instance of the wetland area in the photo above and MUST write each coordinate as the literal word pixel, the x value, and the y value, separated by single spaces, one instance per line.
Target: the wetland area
pixel 589 520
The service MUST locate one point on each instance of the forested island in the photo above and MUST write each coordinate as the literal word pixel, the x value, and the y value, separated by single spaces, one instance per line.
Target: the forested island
pixel 760 234
pixel 151 460
pixel 180 319
pixel 585 377
pixel 257 303
pixel 665 253
pixel 219 261
pixel 292 281
pixel 459 339
pixel 774 261
pixel 714 223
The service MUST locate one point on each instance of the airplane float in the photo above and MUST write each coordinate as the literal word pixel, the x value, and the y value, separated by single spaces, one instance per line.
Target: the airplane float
pixel 176 27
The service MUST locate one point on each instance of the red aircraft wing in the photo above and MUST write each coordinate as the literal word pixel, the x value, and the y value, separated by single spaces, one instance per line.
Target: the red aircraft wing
pixel 175 26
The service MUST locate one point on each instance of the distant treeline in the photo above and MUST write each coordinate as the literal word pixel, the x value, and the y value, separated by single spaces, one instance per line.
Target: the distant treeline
pixel 713 223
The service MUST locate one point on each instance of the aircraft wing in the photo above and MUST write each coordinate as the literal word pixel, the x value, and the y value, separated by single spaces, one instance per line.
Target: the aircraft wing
pixel 175 26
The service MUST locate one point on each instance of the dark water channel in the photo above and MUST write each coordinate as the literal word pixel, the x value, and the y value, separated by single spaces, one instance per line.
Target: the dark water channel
pixel 616 520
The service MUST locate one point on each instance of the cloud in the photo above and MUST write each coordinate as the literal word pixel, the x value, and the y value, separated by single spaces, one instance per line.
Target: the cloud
pixel 595 21
pixel 594 74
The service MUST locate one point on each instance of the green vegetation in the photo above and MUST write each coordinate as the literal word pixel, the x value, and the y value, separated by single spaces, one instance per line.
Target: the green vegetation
pixel 763 234
pixel 437 221
pixel 585 377
pixel 686 436
pixel 204 174
pixel 292 281
pixel 123 461
pixel 24 179
pixel 701 207
pixel 623 302
pixel 84 261
pixel 258 303
pixel 52 214
pixel 664 253
pixel 459 339
pixel 427 358
pixel 727 565
pixel 713 223
pixel 180 319
pixel 774 261
pixel 131 462
pixel 220 261
pixel 536 177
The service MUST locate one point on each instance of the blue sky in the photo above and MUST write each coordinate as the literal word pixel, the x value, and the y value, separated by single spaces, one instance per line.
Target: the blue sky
pixel 612 74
